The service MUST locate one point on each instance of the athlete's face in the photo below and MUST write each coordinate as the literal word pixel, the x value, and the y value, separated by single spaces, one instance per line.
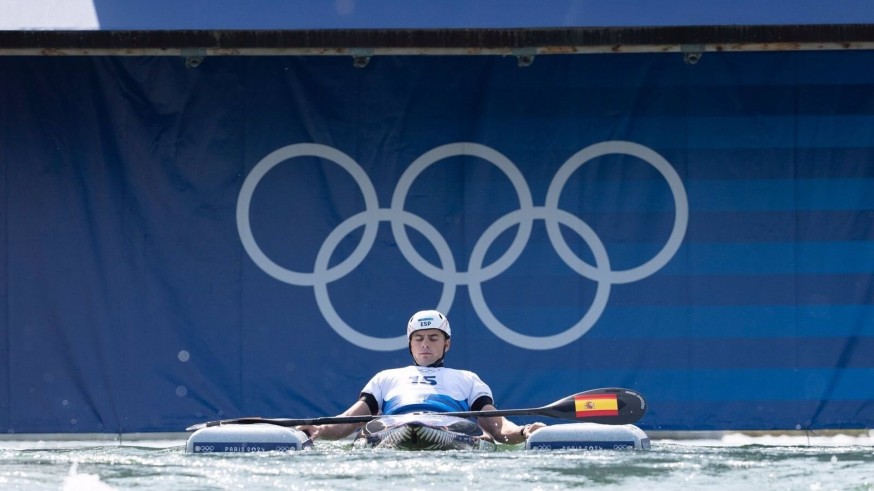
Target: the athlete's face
pixel 428 345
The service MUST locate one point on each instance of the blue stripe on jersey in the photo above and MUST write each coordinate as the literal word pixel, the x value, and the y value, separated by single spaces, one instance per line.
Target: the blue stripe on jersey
pixel 428 403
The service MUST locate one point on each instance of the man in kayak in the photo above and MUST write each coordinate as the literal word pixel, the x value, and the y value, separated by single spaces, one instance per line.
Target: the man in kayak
pixel 427 386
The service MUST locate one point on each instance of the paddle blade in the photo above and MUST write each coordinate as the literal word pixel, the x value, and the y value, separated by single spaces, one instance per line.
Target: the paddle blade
pixel 613 406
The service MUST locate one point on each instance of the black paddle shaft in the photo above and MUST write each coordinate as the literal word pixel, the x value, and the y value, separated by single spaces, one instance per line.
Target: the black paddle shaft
pixel 631 406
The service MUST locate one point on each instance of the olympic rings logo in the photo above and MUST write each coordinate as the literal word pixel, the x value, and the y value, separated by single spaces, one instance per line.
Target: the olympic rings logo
pixel 477 272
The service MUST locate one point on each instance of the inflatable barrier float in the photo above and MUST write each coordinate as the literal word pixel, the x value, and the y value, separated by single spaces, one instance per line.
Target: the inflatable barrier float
pixel 588 436
pixel 247 438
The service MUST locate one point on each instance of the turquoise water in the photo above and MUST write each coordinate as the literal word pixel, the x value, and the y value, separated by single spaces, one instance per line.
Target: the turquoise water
pixel 732 462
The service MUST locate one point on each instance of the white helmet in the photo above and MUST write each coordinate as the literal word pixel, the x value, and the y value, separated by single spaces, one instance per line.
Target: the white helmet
pixel 428 319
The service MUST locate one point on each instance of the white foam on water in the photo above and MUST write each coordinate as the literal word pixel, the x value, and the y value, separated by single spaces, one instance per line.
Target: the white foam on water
pixel 74 481
pixel 780 440
pixel 724 461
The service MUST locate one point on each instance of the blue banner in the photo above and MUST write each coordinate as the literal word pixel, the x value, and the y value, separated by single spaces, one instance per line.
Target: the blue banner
pixel 249 237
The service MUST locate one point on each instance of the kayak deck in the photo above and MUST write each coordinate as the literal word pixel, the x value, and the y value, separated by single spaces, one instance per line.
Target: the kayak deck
pixel 424 432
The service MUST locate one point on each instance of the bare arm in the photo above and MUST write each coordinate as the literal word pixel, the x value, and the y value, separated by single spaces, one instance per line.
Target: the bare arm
pixel 338 431
pixel 505 431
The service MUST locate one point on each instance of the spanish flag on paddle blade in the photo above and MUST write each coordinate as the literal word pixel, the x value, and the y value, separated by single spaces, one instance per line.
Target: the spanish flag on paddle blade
pixel 596 405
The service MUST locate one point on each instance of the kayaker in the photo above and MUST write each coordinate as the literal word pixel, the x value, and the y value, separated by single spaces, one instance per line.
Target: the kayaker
pixel 427 386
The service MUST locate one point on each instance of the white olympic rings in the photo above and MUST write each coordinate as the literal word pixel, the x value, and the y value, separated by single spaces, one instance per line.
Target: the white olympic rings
pixel 477 272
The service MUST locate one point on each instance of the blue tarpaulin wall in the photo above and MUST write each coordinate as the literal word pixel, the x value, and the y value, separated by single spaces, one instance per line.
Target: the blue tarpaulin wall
pixel 249 237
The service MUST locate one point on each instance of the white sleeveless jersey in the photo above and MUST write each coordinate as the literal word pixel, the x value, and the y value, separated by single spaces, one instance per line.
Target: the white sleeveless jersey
pixel 411 389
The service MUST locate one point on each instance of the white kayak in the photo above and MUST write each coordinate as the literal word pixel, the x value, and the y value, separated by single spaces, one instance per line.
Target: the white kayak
pixel 417 432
